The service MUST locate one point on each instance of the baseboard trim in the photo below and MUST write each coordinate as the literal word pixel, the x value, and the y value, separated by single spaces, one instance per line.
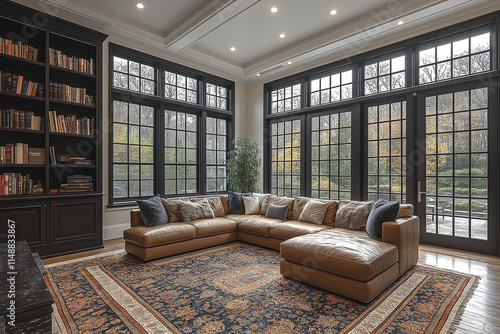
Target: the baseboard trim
pixel 114 231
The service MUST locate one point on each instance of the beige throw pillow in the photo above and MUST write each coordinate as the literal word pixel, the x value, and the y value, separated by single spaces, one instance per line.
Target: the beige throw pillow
pixel 215 204
pixel 405 210
pixel 192 211
pixel 353 215
pixel 252 206
pixel 313 212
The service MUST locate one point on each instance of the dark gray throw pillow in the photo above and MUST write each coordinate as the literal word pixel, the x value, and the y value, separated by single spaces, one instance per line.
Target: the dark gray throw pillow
pixel 382 211
pixel 236 205
pixel 152 211
pixel 277 211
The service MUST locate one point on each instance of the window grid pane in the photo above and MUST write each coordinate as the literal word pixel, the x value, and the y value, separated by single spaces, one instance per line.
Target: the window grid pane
pixel 331 156
pixel 133 150
pixel 133 76
pixel 387 152
pixel 216 154
pixel 181 140
pixel 457 164
pixel 285 161
pixel 286 99
pixel 455 58
pixel 333 87
pixel 181 87
pixel 385 75
pixel 217 96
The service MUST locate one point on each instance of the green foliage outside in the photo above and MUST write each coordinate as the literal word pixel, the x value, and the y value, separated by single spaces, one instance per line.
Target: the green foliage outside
pixel 243 165
pixel 475 206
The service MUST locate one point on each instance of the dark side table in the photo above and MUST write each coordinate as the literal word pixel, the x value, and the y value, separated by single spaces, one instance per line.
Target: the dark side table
pixel 32 301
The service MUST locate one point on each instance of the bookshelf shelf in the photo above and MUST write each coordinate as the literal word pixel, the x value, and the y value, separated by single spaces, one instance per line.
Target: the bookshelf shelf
pixel 68 221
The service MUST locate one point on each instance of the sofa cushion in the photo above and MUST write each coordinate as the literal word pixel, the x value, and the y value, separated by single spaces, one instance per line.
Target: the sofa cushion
pixel 382 211
pixel 405 211
pixel 215 204
pixel 192 211
pixel 284 201
pixel 172 208
pixel 265 203
pixel 256 224
pixel 159 235
pixel 314 212
pixel 236 202
pixel 277 211
pixel 353 214
pixel 152 211
pixel 352 254
pixel 330 213
pixel 294 228
pixel 298 205
pixel 225 203
pixel 206 227
pixel 252 206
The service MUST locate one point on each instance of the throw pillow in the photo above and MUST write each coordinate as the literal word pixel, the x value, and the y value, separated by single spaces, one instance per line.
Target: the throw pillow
pixel 277 211
pixel 236 205
pixel 405 211
pixel 353 215
pixel 284 201
pixel 252 206
pixel 215 204
pixel 261 198
pixel 192 211
pixel 313 212
pixel 382 211
pixel 152 211
pixel 265 203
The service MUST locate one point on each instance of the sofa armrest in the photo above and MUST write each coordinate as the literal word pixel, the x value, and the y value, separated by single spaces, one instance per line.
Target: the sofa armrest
pixel 404 233
pixel 136 218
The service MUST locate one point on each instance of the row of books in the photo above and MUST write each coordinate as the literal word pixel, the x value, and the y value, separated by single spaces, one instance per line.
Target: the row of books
pixel 15 184
pixel 20 153
pixel 57 58
pixel 71 124
pixel 77 183
pixel 18 119
pixel 18 49
pixel 15 83
pixel 63 92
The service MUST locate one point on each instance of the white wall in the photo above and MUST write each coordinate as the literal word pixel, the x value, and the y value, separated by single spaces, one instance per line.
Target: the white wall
pixel 115 220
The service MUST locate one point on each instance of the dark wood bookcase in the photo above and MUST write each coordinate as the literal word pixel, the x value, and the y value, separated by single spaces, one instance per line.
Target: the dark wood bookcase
pixel 53 222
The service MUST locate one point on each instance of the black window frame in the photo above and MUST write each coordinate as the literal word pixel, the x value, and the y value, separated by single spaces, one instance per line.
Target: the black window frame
pixel 161 104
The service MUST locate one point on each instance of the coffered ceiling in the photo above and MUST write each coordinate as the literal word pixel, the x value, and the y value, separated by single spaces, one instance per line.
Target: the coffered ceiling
pixel 204 31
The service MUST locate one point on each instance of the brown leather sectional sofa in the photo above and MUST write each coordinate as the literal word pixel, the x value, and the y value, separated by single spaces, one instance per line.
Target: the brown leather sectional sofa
pixel 344 261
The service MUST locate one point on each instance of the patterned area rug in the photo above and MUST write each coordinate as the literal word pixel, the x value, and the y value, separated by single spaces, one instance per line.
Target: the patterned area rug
pixel 237 288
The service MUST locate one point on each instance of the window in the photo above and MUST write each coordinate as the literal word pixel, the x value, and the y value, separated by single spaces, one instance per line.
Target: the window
pixel 133 150
pixel 217 96
pixel 133 76
pixel 331 88
pixel 285 162
pixel 181 87
pixel 331 156
pixel 164 140
pixel 387 152
pixel 384 75
pixel 285 99
pixel 180 153
pixel 454 58
pixel 216 154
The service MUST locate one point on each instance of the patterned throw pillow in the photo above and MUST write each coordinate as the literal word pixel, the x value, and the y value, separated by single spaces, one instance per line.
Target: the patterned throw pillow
pixel 192 211
pixel 353 215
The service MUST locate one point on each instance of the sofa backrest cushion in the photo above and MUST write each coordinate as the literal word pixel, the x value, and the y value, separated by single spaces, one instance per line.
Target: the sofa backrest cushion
pixel 382 211
pixel 353 215
pixel 265 203
pixel 330 213
pixel 152 211
pixel 277 211
pixel 236 205
pixel 298 205
pixel 405 210
pixel 225 203
pixel 191 211
pixel 172 209
pixel 284 201
pixel 252 206
pixel 313 212
pixel 215 204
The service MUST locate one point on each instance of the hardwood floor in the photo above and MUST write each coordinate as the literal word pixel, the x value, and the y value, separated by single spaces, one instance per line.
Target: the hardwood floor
pixel 482 312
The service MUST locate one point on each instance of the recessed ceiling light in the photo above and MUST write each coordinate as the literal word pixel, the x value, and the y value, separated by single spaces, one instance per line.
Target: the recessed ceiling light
pixel 140 6
pixel 289 63
pixel 274 10
pixel 400 22
pixel 258 74
pixel 233 48
pixel 282 35
pixel 333 12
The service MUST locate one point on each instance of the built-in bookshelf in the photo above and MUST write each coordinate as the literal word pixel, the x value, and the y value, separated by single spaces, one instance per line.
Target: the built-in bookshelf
pixel 50 140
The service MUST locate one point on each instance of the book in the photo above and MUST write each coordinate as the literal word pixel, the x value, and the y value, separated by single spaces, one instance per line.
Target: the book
pixel 36 156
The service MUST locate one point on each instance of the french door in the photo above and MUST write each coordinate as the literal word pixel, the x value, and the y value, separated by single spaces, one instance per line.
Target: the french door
pixel 457 168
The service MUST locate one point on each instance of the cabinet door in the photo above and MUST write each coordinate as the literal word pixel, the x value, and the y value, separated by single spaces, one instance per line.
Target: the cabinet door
pixel 75 219
pixel 30 223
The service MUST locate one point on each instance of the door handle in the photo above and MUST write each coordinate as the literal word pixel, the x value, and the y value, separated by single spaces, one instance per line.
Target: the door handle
pixel 420 192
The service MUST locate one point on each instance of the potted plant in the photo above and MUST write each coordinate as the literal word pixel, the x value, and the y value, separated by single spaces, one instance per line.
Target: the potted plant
pixel 243 165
